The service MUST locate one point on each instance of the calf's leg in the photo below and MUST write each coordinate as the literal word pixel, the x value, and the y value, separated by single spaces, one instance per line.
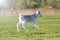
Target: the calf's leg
pixel 35 24
pixel 24 26
pixel 18 26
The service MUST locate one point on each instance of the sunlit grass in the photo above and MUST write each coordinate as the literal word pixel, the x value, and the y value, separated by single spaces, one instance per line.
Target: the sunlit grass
pixel 50 25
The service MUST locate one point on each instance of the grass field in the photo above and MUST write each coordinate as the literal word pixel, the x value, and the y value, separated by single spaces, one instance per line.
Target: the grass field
pixel 50 25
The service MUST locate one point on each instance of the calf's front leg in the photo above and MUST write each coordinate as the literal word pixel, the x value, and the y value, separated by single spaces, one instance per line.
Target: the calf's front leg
pixel 35 24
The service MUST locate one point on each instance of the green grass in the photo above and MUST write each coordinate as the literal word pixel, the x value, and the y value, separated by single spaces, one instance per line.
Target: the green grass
pixel 50 25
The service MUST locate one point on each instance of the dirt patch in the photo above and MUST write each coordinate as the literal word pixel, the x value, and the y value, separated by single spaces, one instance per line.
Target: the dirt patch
pixel 28 12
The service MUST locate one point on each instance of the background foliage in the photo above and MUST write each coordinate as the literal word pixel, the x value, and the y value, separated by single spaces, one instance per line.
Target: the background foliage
pixel 23 4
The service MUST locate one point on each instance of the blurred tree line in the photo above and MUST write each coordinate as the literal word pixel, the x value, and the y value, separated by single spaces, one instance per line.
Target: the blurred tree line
pixel 32 3
pixel 23 4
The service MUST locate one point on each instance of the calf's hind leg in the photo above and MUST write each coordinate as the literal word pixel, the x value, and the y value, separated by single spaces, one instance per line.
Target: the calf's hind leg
pixel 18 26
pixel 24 26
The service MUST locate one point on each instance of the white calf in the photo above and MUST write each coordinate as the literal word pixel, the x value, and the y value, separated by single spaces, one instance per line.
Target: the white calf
pixel 30 18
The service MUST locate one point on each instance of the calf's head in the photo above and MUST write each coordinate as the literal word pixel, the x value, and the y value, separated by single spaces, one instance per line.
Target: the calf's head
pixel 38 14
